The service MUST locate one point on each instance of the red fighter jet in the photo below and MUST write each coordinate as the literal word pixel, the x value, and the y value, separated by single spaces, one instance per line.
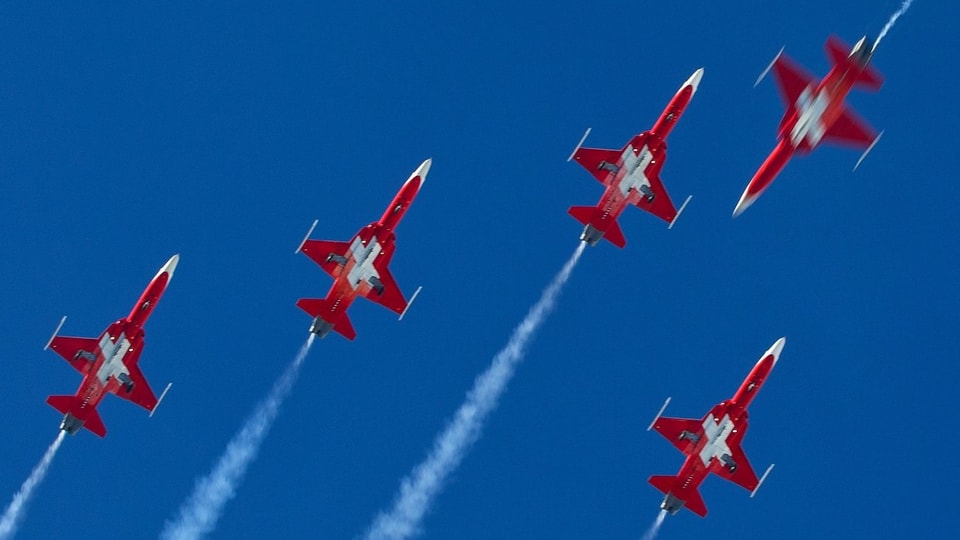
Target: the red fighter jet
pixel 359 267
pixel 631 174
pixel 109 363
pixel 815 111
pixel 712 444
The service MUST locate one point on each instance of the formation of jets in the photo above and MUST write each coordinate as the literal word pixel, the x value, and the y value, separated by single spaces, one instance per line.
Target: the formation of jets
pixel 815 113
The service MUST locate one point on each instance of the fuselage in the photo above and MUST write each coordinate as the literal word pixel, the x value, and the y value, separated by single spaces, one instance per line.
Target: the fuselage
pixel 629 180
pixel 118 346
pixel 717 440
pixel 804 125
pixel 723 427
pixel 373 246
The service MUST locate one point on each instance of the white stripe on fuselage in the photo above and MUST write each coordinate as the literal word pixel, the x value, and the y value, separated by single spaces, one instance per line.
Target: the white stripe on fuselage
pixel 716 435
pixel 113 353
pixel 363 257
pixel 636 167
pixel 809 124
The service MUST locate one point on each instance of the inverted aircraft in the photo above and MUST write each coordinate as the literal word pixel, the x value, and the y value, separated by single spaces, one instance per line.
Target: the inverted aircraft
pixel 632 174
pixel 815 111
pixel 109 364
pixel 712 444
pixel 359 267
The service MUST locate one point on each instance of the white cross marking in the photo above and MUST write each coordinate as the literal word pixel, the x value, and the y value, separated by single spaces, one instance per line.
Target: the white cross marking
pixel 810 120
pixel 636 166
pixel 716 434
pixel 113 353
pixel 364 256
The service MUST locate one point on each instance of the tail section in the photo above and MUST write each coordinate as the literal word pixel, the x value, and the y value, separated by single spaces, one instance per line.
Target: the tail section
pixel 75 417
pixel 593 232
pixel 856 59
pixel 327 316
pixel 673 502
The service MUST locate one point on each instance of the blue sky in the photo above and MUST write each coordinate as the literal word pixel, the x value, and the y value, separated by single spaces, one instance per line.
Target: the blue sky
pixel 221 131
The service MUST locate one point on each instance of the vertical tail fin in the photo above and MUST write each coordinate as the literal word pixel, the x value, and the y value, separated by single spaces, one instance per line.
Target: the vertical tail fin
pixel 330 313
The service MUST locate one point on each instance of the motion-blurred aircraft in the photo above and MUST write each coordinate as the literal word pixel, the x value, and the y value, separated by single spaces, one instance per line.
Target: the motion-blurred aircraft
pixel 632 174
pixel 359 267
pixel 109 363
pixel 815 111
pixel 712 444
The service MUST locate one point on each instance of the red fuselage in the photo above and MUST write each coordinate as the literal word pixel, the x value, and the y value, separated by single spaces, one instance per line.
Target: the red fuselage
pixel 713 443
pixel 359 267
pixel 109 363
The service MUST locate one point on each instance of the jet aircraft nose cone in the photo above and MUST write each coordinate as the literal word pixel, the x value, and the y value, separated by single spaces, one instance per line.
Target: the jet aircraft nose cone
pixel 745 201
pixel 776 348
pixel 170 266
pixel 694 80
pixel 422 170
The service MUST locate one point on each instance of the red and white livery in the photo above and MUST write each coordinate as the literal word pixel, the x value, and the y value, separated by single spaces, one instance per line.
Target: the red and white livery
pixel 359 267
pixel 109 364
pixel 632 174
pixel 712 444
pixel 815 111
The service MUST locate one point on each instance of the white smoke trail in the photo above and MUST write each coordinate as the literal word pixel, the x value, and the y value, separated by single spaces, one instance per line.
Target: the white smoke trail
pixel 418 489
pixel 18 506
pixel 893 19
pixel 655 528
pixel 199 513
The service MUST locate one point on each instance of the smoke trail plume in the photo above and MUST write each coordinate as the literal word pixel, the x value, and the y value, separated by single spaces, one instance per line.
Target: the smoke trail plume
pixel 422 485
pixel 655 528
pixel 893 19
pixel 18 506
pixel 199 513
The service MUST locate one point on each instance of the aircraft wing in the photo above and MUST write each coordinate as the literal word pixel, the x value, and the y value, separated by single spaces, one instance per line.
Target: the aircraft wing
pixel 387 293
pixel 792 80
pixel 79 352
pixel 141 394
pixel 675 430
pixel 661 206
pixel 592 160
pixel 743 475
pixel 331 256
pixel 850 130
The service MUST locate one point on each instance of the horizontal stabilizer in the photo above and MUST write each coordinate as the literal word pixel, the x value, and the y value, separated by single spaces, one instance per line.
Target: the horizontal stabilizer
pixel 330 313
pixel 663 483
pixel 690 497
pixel 839 53
pixel 71 405
pixel 609 228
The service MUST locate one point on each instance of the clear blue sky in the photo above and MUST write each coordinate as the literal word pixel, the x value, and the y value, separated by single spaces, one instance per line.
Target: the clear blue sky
pixel 220 131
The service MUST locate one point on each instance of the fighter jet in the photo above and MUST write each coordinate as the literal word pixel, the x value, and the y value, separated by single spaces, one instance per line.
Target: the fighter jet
pixel 109 363
pixel 815 111
pixel 359 267
pixel 712 444
pixel 632 174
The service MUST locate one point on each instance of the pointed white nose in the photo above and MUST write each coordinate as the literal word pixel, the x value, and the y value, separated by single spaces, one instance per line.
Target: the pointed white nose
pixel 170 266
pixel 694 80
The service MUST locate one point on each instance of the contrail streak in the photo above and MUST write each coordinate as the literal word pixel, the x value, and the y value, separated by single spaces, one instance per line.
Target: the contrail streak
pixel 655 528
pixel 893 19
pixel 18 506
pixel 199 513
pixel 421 486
